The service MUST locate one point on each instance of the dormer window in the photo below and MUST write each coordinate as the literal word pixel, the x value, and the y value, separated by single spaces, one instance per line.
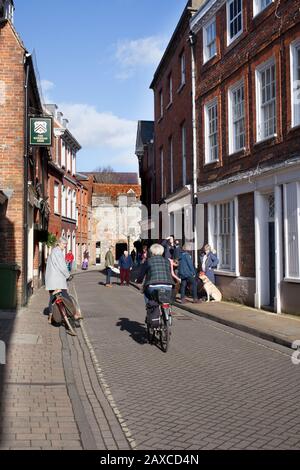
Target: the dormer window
pixel 7 10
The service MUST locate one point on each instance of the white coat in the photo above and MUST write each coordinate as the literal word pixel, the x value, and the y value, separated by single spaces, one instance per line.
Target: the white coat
pixel 56 270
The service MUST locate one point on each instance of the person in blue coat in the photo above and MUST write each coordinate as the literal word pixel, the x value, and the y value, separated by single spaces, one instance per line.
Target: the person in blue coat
pixel 208 262
pixel 125 264
pixel 187 274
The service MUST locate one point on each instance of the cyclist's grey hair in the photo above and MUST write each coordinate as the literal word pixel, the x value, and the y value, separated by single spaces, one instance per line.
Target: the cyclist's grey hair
pixel 62 240
pixel 157 250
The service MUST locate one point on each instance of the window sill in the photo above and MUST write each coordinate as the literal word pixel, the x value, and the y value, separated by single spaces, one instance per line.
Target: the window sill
pixel 230 42
pixel 211 163
pixel 181 88
pixel 295 128
pixel 169 105
pixel 266 140
pixel 220 272
pixel 206 61
pixel 238 153
pixel 292 280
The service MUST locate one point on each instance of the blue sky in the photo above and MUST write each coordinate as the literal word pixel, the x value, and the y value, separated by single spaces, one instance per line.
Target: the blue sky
pixel 96 60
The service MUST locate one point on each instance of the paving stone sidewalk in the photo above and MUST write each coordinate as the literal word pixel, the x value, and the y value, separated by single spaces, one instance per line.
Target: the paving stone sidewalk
pixel 50 397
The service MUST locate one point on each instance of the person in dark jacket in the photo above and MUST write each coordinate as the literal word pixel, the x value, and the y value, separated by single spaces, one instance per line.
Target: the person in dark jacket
pixel 157 272
pixel 208 262
pixel 187 274
pixel 125 265
pixel 168 245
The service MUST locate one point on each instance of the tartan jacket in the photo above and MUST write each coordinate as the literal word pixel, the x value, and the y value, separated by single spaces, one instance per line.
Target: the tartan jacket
pixel 158 271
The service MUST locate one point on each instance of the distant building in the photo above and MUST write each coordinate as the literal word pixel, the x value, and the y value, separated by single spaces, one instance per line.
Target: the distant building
pixel 116 213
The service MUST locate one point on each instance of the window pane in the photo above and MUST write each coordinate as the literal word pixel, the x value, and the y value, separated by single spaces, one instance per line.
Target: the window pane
pixel 292 230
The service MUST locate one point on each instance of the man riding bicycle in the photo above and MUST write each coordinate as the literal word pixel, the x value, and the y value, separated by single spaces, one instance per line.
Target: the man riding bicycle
pixel 157 272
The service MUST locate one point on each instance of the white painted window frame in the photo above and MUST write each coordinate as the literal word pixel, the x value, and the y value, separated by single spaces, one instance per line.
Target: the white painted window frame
pixel 231 136
pixel 206 56
pixel 295 87
pixel 259 70
pixel 258 8
pixel 161 104
pixel 286 250
pixel 182 69
pixel 234 243
pixel 183 152
pixel 56 197
pixel 161 155
pixel 63 154
pixel 171 156
pixel 229 39
pixel 207 106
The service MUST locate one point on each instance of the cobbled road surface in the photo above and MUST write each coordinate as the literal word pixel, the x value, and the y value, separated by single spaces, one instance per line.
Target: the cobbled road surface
pixel 216 388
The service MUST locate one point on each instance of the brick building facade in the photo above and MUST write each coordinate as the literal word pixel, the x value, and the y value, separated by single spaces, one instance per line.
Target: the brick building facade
pixel 248 62
pixel 175 163
pixel 23 169
pixel 63 184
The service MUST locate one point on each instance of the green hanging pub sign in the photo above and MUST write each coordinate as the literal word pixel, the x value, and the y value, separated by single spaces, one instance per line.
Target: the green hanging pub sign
pixel 40 131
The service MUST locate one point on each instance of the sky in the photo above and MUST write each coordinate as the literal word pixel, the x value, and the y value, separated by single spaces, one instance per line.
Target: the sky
pixel 96 60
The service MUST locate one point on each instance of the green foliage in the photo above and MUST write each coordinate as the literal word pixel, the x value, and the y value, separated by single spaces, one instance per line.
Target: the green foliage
pixel 51 240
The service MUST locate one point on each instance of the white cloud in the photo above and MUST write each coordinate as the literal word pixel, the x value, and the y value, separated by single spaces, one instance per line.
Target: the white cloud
pixel 133 54
pixel 93 128
pixel 47 86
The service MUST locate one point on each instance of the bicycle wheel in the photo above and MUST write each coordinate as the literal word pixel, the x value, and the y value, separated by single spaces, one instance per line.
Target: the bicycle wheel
pixel 66 321
pixel 150 334
pixel 164 335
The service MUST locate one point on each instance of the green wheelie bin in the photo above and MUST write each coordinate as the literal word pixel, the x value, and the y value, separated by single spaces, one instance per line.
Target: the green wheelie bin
pixel 8 285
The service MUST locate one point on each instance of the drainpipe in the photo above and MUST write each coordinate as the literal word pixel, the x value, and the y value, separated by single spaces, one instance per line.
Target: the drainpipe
pixel 25 204
pixel 195 157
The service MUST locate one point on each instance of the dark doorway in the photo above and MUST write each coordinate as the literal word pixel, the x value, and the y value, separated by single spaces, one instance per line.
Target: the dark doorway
pixel 120 248
pixel 98 252
pixel 272 261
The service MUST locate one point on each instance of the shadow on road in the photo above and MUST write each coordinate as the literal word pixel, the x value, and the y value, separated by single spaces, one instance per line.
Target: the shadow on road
pixel 137 330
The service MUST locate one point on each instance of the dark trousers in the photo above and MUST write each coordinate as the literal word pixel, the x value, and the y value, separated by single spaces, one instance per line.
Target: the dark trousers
pixel 124 275
pixel 192 281
pixel 108 274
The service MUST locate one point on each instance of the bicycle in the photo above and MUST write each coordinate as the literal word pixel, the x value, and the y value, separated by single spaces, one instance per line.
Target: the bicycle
pixel 68 311
pixel 160 328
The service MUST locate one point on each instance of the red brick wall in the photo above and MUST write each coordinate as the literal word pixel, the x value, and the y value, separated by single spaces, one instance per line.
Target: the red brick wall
pixel 266 35
pixel 173 116
pixel 246 235
pixel 12 146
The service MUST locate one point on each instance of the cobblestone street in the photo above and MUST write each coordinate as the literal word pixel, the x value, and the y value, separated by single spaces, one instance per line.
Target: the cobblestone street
pixel 216 388
pixel 108 389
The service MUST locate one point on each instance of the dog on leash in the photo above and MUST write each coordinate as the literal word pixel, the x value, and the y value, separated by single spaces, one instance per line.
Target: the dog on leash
pixel 210 289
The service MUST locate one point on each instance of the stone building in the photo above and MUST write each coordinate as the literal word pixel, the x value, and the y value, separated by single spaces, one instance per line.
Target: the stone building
pixel 116 214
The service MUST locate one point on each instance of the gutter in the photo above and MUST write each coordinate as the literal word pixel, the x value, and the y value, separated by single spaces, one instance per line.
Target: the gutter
pixel 25 203
pixel 195 155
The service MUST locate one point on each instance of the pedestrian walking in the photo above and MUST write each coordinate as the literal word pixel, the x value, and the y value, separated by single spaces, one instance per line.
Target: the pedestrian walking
pixel 133 256
pixel 109 264
pixel 208 262
pixel 125 265
pixel 144 254
pixel 187 274
pixel 69 260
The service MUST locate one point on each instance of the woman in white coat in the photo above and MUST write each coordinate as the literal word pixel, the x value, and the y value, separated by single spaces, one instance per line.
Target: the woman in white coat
pixel 57 272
